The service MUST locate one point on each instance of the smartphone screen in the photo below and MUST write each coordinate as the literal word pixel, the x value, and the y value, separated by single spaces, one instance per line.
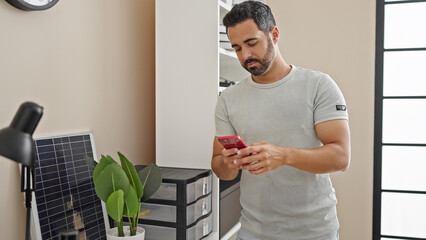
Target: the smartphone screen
pixel 229 142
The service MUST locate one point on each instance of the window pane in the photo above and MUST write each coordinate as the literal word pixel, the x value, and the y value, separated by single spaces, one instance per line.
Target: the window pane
pixel 404 120
pixel 404 214
pixel 403 168
pixel 404 25
pixel 404 73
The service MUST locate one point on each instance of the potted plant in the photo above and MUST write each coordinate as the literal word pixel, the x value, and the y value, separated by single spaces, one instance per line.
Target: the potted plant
pixel 123 190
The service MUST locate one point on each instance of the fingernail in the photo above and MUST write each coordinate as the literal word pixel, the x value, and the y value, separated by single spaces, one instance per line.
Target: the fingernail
pixel 235 161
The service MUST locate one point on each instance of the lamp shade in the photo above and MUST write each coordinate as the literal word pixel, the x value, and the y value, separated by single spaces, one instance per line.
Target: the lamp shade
pixel 16 141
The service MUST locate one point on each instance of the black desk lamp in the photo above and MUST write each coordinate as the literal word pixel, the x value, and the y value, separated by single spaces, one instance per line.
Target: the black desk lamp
pixel 16 143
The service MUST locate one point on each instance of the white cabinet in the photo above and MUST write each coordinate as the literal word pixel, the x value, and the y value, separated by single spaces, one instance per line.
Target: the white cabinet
pixel 189 65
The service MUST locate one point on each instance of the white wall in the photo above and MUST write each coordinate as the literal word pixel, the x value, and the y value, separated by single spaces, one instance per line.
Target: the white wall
pixel 338 37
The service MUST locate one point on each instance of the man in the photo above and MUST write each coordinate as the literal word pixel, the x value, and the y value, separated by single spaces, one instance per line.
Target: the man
pixel 296 125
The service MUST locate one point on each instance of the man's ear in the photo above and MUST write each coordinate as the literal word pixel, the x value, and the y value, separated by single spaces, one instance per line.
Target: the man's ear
pixel 275 34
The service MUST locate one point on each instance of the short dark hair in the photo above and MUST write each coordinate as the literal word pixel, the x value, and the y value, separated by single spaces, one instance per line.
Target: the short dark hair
pixel 259 12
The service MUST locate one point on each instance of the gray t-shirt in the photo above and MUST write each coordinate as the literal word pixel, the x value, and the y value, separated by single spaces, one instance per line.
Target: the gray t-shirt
pixel 286 203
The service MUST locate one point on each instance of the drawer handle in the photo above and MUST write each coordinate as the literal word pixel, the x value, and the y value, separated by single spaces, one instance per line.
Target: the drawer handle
pixel 205 229
pixel 204 209
pixel 205 185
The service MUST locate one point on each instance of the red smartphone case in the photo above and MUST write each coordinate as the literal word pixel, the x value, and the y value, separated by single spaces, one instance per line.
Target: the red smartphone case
pixel 229 142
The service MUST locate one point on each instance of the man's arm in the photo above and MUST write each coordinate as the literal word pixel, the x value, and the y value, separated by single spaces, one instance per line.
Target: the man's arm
pixel 223 161
pixel 333 156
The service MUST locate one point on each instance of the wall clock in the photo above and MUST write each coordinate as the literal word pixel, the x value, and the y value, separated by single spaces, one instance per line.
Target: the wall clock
pixel 32 5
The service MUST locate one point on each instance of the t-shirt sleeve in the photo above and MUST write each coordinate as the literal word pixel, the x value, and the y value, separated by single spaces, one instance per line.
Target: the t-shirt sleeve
pixel 223 124
pixel 329 103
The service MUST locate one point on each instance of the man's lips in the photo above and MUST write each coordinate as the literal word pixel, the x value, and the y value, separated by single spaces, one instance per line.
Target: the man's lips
pixel 251 63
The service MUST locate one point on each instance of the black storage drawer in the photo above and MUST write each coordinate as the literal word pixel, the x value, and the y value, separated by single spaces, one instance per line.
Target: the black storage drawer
pixel 182 206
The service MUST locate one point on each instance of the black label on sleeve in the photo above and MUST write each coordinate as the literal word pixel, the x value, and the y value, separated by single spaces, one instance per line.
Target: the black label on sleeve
pixel 340 107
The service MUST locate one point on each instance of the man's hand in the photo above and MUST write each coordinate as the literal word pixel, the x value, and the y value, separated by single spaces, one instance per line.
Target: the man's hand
pixel 230 157
pixel 223 161
pixel 260 158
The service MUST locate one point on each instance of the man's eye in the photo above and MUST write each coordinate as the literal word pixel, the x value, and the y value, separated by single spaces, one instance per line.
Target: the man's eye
pixel 252 44
pixel 237 49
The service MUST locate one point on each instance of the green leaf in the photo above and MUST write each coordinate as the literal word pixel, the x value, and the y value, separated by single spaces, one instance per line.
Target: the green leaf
pixel 115 205
pixel 90 162
pixel 103 163
pixel 132 203
pixel 151 180
pixel 131 173
pixel 109 180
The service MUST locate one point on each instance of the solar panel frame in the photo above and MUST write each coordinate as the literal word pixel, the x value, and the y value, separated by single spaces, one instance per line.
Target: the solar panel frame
pixel 65 197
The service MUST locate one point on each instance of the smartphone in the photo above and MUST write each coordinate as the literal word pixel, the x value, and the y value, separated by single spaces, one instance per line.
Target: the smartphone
pixel 229 142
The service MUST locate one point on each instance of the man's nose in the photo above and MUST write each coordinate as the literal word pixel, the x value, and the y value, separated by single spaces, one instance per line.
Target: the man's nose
pixel 246 53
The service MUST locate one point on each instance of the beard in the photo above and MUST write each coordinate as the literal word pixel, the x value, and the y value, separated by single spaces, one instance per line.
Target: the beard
pixel 265 63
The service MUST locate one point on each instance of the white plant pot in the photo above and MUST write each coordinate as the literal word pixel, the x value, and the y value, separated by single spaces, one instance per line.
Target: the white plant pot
pixel 112 234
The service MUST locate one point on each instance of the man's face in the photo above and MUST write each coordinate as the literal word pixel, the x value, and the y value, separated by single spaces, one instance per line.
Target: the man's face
pixel 254 49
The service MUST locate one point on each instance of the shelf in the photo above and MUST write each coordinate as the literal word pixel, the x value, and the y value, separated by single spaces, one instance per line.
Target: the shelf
pixel 230 67
pixel 224 9
pixel 228 53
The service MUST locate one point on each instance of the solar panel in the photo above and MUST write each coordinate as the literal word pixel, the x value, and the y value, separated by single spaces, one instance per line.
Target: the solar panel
pixel 65 197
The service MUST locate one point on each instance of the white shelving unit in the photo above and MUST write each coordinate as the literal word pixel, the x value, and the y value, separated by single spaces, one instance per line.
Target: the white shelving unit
pixel 189 65
pixel 225 7
pixel 230 67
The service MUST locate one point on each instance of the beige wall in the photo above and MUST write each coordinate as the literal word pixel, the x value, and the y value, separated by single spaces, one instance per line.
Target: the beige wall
pixel 338 37
pixel 91 64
